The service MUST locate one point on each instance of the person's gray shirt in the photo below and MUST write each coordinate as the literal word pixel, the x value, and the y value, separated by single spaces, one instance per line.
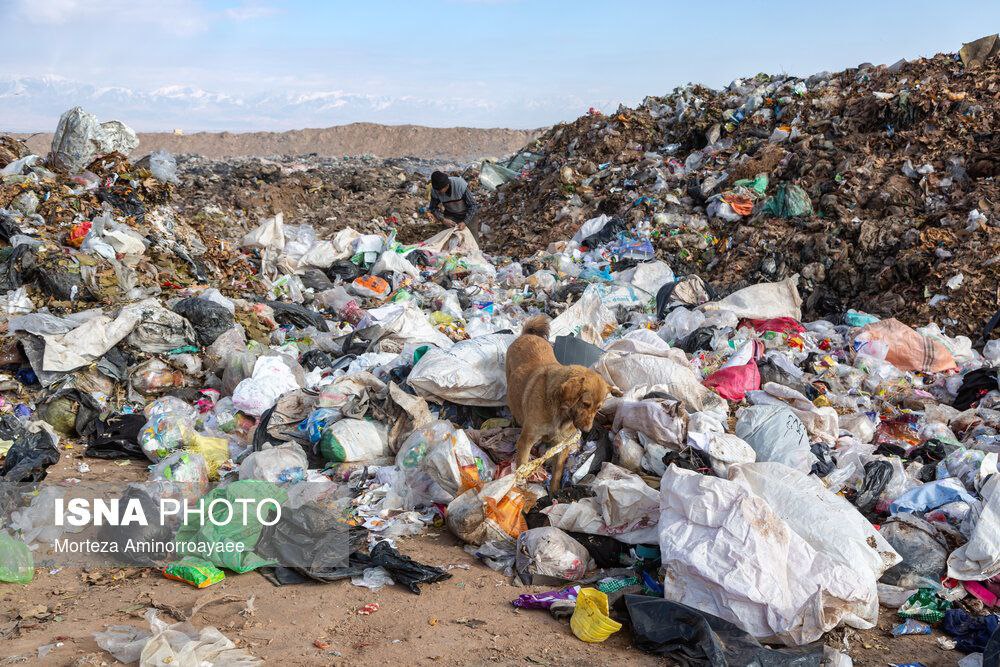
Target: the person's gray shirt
pixel 458 202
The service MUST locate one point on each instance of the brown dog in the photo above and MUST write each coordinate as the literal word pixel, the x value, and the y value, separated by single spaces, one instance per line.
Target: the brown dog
pixel 548 400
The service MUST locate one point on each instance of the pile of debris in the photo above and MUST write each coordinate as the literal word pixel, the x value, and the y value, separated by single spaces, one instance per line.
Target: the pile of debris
pixel 363 192
pixel 876 185
pixel 763 477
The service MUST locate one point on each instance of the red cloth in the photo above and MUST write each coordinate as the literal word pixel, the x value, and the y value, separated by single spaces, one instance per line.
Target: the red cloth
pixel 779 324
pixel 734 382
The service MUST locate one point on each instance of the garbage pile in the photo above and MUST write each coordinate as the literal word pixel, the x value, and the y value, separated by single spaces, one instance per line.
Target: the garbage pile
pixel 765 477
pixel 364 192
pixel 876 185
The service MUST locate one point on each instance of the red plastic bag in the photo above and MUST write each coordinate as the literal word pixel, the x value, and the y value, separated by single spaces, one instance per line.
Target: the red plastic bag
pixel 779 324
pixel 734 382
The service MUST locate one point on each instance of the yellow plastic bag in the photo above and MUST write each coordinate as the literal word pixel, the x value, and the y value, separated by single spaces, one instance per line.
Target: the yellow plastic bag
pixel 215 451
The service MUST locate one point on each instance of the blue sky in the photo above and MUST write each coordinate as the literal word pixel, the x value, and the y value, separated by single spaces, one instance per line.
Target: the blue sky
pixel 519 63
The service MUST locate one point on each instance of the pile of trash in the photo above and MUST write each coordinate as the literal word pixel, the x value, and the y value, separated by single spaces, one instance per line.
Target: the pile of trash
pixel 876 185
pixel 765 476
pixel 364 192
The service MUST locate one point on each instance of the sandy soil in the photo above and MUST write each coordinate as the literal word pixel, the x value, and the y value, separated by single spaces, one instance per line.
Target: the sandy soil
pixel 467 619
pixel 452 143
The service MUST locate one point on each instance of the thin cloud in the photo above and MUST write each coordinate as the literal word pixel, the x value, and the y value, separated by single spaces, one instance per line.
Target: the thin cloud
pixel 251 11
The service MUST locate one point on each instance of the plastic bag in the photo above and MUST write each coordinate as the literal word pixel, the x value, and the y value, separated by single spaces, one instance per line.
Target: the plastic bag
pixel 438 462
pixel 215 451
pixel 548 555
pixel 371 287
pixel 907 349
pixel 734 382
pixel 776 434
pixel 239 535
pixel 163 433
pixel 177 645
pixel 979 558
pixel 404 570
pixel 285 464
pixel 17 566
pixel 187 473
pixel 789 201
pixel 723 547
pixel 209 319
pixel 271 378
pixel 33 451
pixel 472 372
pixel 923 551
pixel 491 514
pixel 763 301
pixel 353 440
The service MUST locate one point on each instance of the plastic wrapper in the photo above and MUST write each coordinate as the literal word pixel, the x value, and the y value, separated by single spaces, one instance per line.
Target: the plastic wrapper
pixel 17 566
pixel 285 464
pixel 187 473
pixel 195 573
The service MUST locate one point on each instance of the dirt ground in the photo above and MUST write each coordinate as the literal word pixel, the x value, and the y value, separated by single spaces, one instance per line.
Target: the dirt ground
pixel 465 620
pixel 447 143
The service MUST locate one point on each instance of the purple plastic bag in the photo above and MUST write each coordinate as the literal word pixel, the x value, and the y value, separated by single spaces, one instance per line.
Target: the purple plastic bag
pixel 546 599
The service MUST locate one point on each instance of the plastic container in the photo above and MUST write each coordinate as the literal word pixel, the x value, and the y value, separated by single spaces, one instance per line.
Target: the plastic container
pixel 590 621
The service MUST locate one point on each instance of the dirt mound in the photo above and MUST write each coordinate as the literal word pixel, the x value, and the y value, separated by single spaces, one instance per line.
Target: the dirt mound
pixel 460 144
pixel 878 186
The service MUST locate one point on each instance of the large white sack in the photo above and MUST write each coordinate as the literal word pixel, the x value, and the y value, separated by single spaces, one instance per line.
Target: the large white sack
pixel 271 378
pixel 763 301
pixel 776 434
pixel 822 423
pixel 471 372
pixel 661 419
pixel 643 358
pixel 404 323
pixel 828 522
pixel 979 558
pixel 727 553
pixel 623 507
pixel 588 318
pixel 647 276
pixel 268 234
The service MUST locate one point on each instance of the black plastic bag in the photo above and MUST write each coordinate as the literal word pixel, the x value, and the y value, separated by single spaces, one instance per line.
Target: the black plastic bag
pixel 404 570
pixel 699 339
pixel 692 637
pixel 877 476
pixel 344 269
pixel 209 319
pixel 824 463
pixel 8 226
pixel 297 316
pixel 117 438
pixel 29 457
pixel 314 359
pixel 923 549
pixel 571 350
pixel 315 280
pixel 975 385
pixel 16 267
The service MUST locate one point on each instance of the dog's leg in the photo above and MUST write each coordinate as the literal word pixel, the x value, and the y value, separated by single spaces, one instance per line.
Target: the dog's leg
pixel 557 470
pixel 527 440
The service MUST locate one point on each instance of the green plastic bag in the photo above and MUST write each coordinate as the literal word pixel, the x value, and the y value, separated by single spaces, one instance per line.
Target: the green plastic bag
pixel 758 183
pixel 926 606
pixel 789 201
pixel 237 531
pixel 17 566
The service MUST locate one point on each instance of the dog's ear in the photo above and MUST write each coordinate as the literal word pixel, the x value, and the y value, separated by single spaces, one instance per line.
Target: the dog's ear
pixel 569 393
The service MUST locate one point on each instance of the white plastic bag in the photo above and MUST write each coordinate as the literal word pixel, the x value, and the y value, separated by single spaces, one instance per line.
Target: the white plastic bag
pixel 763 301
pixel 271 378
pixel 285 464
pixel 727 553
pixel 350 440
pixel 432 460
pixel 472 372
pixel 268 234
pixel 979 558
pixel 548 555
pixel 623 507
pixel 642 358
pixel 588 318
pixel 776 434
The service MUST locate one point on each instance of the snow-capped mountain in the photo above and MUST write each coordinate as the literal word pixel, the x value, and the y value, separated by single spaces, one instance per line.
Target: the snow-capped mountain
pixel 33 104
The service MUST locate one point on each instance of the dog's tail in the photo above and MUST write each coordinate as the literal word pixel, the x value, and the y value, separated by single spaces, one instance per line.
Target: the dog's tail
pixel 536 326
